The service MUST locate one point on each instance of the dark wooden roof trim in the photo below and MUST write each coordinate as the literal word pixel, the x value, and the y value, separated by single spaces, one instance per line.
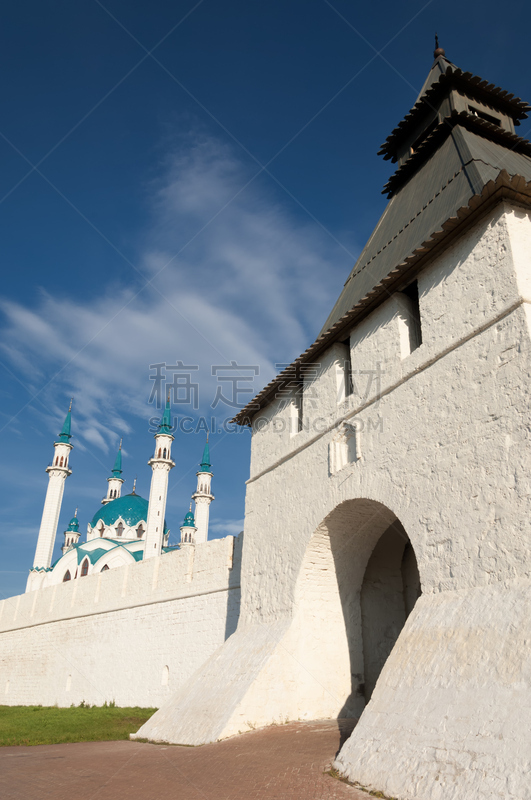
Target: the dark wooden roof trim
pixel 441 131
pixel 513 188
pixel 454 78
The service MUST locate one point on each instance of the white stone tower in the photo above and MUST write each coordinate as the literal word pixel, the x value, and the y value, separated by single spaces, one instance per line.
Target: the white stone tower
pixel 114 488
pixel 58 471
pixel 203 496
pixel 188 529
pixel 71 534
pixel 161 464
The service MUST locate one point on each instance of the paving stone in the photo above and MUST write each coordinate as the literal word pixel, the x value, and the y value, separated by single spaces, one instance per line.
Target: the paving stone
pixel 286 762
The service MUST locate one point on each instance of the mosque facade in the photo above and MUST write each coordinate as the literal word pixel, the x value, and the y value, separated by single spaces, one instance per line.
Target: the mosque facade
pixel 128 528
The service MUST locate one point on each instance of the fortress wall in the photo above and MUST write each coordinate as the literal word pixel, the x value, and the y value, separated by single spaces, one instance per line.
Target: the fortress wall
pixel 451 460
pixel 132 634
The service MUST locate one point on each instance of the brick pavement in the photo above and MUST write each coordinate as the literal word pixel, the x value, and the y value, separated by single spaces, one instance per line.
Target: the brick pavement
pixel 277 763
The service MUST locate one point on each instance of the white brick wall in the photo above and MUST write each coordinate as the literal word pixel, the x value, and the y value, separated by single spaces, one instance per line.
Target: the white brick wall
pixel 109 636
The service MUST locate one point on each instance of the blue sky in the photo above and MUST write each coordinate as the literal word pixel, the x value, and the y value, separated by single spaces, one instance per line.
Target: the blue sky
pixel 189 182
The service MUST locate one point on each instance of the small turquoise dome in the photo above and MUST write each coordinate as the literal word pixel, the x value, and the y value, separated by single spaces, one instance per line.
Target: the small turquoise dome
pixel 131 508
pixel 189 521
pixel 73 525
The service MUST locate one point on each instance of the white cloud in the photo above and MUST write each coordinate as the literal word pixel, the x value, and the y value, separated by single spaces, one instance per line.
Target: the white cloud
pixel 225 527
pixel 252 285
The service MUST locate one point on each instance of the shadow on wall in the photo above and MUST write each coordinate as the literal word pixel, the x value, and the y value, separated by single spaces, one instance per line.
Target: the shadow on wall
pixel 358 584
pixel 234 593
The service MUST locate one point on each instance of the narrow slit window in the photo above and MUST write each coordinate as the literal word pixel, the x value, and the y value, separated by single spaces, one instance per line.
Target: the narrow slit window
pixel 483 115
pixel 409 319
pixel 348 369
pixel 298 409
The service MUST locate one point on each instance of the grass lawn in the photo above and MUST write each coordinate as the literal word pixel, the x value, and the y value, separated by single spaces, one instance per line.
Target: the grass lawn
pixel 43 725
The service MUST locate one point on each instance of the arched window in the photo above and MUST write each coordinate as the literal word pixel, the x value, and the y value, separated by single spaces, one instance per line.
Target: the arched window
pixel 61 462
pixel 66 461
pixel 140 531
pixel 84 568
pixel 119 529
pixel 164 453
pixel 160 451
pixel 67 576
pixel 106 566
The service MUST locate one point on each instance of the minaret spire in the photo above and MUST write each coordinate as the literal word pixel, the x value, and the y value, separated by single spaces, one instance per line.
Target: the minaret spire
pixel 58 471
pixel 203 496
pixel 161 464
pixel 114 489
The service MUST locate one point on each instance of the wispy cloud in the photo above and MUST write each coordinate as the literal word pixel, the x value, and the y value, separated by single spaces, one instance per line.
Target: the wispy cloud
pixel 225 527
pixel 251 285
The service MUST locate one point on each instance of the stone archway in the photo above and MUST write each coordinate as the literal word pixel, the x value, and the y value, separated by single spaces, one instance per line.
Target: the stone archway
pixel 390 589
pixel 358 582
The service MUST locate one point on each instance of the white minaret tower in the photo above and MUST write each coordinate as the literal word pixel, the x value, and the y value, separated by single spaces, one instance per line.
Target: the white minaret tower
pixel 203 496
pixel 114 488
pixel 161 464
pixel 58 472
pixel 188 529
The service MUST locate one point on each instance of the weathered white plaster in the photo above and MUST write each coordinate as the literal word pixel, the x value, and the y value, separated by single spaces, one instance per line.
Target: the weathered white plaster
pixel 109 635
pixel 445 434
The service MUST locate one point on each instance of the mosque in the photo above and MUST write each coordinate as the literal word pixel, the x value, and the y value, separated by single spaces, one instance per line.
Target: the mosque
pixel 128 528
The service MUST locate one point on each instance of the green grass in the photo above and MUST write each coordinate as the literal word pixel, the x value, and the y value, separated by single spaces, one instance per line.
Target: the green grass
pixel 26 725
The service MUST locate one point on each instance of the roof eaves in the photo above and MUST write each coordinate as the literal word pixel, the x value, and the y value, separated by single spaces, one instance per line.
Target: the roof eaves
pixel 514 188
pixel 515 106
pixel 441 131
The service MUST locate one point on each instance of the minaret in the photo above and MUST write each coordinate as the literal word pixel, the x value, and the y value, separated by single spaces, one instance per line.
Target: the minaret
pixel 58 472
pixel 161 464
pixel 114 489
pixel 203 497
pixel 71 534
pixel 188 529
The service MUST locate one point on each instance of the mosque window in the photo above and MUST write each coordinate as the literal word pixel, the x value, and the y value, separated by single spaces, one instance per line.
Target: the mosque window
pixel 139 531
pixel 67 576
pixel 84 568
pixel 159 452
pixel 119 529
pixel 164 453
pixel 61 462
pixel 106 566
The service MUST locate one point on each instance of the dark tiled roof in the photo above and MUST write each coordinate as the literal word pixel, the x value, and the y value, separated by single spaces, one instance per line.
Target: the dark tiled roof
pixel 442 76
pixel 514 188
pixel 463 164
pixel 455 172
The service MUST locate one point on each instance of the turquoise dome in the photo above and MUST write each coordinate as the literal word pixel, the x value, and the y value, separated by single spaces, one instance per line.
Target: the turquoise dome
pixel 73 525
pixel 131 508
pixel 189 521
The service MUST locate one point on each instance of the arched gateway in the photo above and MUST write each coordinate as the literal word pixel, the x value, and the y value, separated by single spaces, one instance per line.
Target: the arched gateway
pixel 358 583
